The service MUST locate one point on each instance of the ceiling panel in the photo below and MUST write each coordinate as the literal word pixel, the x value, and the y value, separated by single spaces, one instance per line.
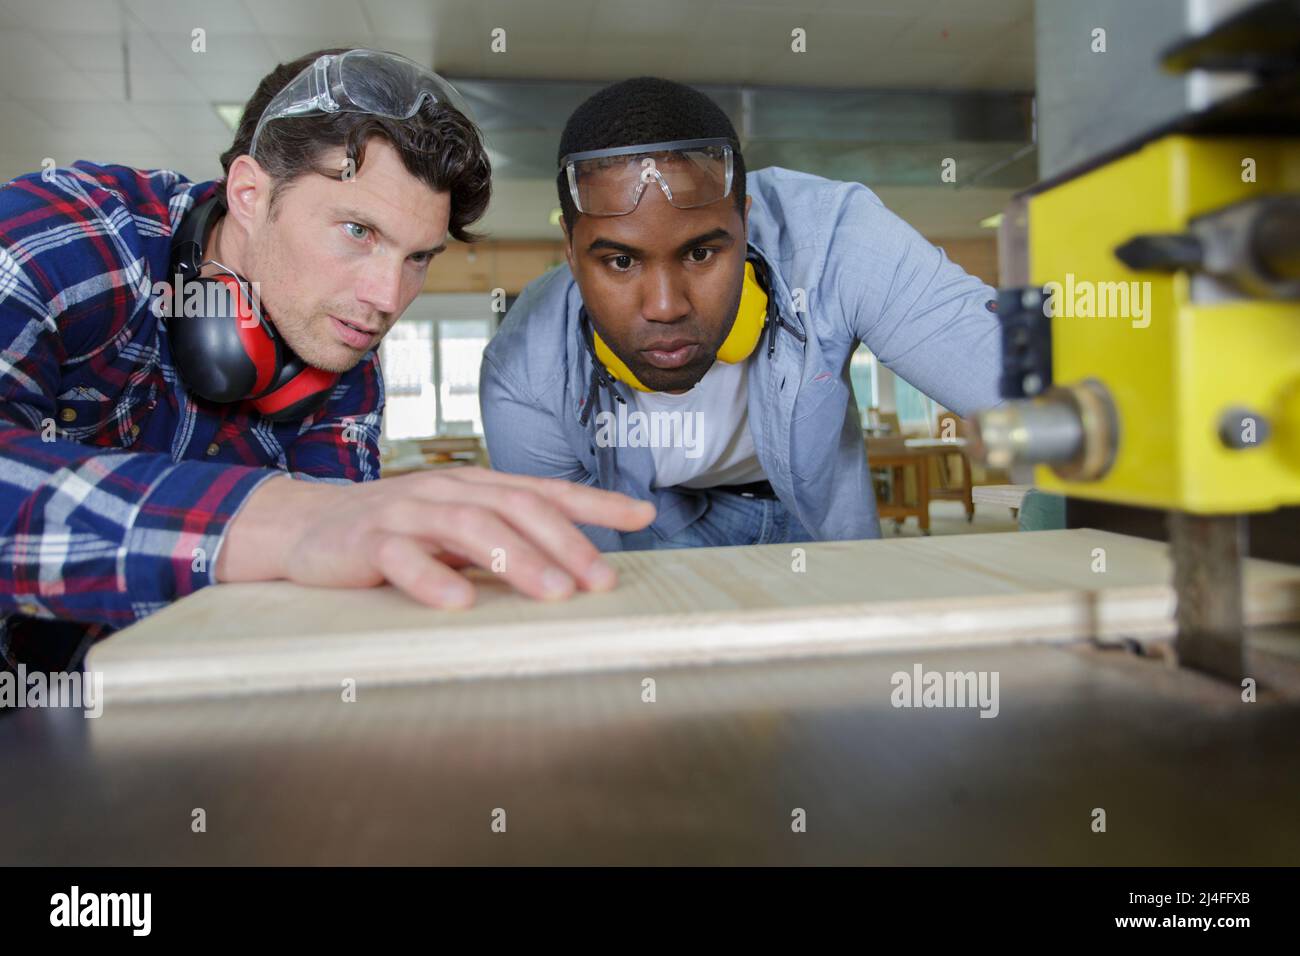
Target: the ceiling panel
pixel 87 51
pixel 70 16
pixel 983 11
pixel 860 29
pixel 175 120
pixel 64 87
pixel 73 117
pixel 419 49
pixel 110 86
pixel 290 47
pixel 415 19
pixel 223 52
pixel 157 56
pixel 898 7
pixel 20 123
pixel 649 23
pixel 536 24
pixel 228 87
pixel 29 62
pixel 309 18
pixel 182 16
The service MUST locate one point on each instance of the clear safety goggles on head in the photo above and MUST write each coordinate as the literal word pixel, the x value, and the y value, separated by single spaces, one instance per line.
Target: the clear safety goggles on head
pixel 359 81
pixel 610 182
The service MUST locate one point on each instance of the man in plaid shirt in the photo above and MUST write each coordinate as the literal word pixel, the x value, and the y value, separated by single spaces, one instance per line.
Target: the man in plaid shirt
pixel 121 490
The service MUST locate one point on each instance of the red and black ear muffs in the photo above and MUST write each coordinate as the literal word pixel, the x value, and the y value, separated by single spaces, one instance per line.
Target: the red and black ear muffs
pixel 224 348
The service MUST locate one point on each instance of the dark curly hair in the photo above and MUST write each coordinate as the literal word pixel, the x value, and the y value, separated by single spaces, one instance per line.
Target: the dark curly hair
pixel 438 145
pixel 645 109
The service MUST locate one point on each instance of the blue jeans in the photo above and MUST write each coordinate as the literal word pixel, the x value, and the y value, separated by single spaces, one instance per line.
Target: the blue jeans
pixel 729 519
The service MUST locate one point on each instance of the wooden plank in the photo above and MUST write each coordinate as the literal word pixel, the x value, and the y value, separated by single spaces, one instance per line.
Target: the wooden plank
pixel 675 607
pixel 951 445
pixel 1009 496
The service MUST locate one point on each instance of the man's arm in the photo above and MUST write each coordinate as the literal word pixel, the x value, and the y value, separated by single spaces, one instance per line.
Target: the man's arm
pixel 921 314
pixel 105 535
pixel 521 436
pixel 417 530
pixel 98 535
pixel 108 536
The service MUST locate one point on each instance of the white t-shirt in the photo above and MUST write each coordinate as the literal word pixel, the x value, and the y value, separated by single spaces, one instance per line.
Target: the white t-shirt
pixel 705 439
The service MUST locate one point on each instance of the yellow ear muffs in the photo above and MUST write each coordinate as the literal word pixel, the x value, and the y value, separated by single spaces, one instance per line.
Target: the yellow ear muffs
pixel 614 364
pixel 750 319
pixel 738 345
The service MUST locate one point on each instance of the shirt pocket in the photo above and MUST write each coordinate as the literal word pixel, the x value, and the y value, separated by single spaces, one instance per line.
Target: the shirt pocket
pixel 86 414
pixel 819 417
pixel 822 396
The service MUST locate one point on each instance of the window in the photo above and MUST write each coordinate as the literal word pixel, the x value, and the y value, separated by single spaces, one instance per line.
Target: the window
pixel 866 387
pixel 431 366
pixel 459 354
pixel 916 410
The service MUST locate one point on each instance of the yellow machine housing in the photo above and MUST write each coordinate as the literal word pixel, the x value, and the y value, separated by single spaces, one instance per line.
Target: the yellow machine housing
pixel 1173 374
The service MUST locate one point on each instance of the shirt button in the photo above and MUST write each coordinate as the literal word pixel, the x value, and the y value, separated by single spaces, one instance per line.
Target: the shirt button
pixel 213 448
pixel 68 414
pixel 135 431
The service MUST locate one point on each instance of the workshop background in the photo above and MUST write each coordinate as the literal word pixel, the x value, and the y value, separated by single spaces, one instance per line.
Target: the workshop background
pixel 883 93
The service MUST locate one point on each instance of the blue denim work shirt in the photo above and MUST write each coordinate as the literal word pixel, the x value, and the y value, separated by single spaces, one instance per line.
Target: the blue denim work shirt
pixel 844 270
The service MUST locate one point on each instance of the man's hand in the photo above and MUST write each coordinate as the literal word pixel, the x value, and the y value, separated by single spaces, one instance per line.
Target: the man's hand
pixel 416 530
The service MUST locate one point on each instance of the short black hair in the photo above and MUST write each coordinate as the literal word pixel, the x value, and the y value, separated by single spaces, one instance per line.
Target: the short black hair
pixel 645 109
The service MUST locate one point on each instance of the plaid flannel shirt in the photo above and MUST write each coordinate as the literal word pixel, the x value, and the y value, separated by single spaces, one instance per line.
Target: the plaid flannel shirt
pixel 116 483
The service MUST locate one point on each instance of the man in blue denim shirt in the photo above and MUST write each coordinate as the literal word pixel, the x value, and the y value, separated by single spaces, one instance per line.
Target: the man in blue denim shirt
pixel 694 351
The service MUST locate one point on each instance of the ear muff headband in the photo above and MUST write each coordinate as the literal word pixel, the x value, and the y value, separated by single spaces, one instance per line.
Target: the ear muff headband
pixel 751 316
pixel 260 342
pixel 233 353
pixel 739 344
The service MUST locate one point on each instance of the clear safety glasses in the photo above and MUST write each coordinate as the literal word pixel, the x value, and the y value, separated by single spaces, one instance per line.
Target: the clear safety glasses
pixel 610 182
pixel 359 81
